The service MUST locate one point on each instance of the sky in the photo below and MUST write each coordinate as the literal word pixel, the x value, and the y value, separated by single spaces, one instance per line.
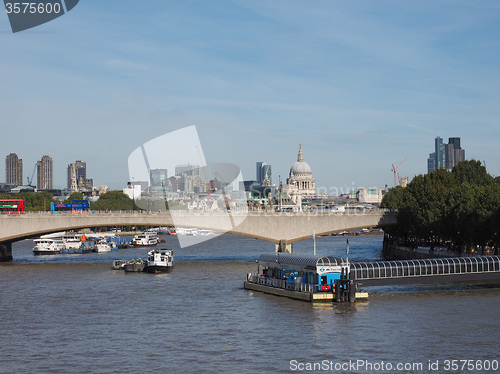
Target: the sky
pixel 361 85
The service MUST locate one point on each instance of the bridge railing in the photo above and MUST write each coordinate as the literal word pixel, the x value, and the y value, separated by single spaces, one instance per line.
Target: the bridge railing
pixel 280 283
pixel 214 212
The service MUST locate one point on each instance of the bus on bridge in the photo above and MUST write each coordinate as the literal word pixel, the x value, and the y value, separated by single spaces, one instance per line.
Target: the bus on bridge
pixel 12 206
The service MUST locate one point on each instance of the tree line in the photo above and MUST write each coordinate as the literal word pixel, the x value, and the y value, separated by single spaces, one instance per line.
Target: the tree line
pixel 461 206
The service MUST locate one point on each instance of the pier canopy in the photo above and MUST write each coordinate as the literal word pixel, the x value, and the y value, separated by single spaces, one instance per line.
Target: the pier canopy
pixel 301 262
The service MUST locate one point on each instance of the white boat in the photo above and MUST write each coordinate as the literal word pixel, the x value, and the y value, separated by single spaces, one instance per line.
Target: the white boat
pixel 187 231
pixel 48 246
pixel 104 246
pixel 206 232
pixel 159 261
pixel 145 239
pixel 73 241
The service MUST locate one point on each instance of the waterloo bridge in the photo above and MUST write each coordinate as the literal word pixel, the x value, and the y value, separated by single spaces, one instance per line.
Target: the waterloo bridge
pixel 283 229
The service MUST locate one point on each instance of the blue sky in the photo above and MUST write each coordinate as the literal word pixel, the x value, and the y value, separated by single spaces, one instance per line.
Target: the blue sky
pixel 361 85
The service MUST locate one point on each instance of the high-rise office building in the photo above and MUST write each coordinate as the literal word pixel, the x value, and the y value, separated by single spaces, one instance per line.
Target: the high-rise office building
pixel 431 162
pixel 263 171
pixel 445 156
pixel 44 174
pixel 439 149
pixel 454 153
pixel 14 169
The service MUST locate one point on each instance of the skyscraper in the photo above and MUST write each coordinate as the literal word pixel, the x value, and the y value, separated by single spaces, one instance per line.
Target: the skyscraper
pixel 431 162
pixel 445 155
pixel 439 149
pixel 14 169
pixel 454 153
pixel 44 174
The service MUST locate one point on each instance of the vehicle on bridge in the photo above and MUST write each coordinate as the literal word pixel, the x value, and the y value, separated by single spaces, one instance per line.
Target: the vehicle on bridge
pixel 76 206
pixel 12 206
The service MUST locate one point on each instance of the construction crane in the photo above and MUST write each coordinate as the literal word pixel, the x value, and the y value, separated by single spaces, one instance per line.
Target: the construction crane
pixel 30 180
pixel 394 168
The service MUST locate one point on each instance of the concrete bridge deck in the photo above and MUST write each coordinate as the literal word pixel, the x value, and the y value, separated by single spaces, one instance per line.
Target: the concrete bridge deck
pixel 283 228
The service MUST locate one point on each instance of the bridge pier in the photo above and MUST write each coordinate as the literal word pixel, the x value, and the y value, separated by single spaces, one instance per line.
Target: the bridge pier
pixel 284 246
pixel 5 251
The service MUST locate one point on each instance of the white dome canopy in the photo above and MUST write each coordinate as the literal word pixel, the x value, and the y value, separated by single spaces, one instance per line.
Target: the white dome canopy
pixel 300 166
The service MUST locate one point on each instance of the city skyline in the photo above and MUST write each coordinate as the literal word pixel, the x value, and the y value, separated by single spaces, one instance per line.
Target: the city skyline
pixel 360 85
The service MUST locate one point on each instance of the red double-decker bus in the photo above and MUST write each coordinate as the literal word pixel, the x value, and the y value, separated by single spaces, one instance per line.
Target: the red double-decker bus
pixel 11 206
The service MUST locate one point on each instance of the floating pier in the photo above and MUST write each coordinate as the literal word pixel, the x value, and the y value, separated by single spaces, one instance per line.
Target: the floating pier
pixel 316 278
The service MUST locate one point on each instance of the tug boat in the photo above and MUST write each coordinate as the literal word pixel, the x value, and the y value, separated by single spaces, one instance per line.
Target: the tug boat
pixel 159 261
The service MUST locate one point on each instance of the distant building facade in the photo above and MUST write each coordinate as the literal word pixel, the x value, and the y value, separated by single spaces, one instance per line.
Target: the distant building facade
pixel 44 174
pixel 14 170
pixel 77 177
pixel 299 184
pixel 263 173
pixel 158 177
pixel 370 196
pixel 445 156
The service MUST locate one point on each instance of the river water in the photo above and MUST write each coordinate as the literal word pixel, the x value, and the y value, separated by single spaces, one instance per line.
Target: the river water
pixel 73 314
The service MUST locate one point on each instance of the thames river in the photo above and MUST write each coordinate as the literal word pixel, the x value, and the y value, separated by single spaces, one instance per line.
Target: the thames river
pixel 73 314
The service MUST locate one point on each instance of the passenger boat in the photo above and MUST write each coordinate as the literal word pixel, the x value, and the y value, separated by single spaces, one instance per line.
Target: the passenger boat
pixel 159 261
pixel 48 246
pixel 146 239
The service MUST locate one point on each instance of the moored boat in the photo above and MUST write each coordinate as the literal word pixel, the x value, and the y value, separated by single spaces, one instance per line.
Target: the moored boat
pixel 73 241
pixel 48 246
pixel 119 264
pixel 134 265
pixel 146 239
pixel 159 261
pixel 104 246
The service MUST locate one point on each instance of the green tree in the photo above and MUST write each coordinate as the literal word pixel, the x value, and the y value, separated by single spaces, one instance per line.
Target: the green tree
pixel 113 200
pixel 74 196
pixel 462 206
pixel 39 201
pixel 393 199
pixel 472 172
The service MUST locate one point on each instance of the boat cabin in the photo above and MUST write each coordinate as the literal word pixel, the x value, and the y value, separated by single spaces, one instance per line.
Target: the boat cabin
pixel 320 271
